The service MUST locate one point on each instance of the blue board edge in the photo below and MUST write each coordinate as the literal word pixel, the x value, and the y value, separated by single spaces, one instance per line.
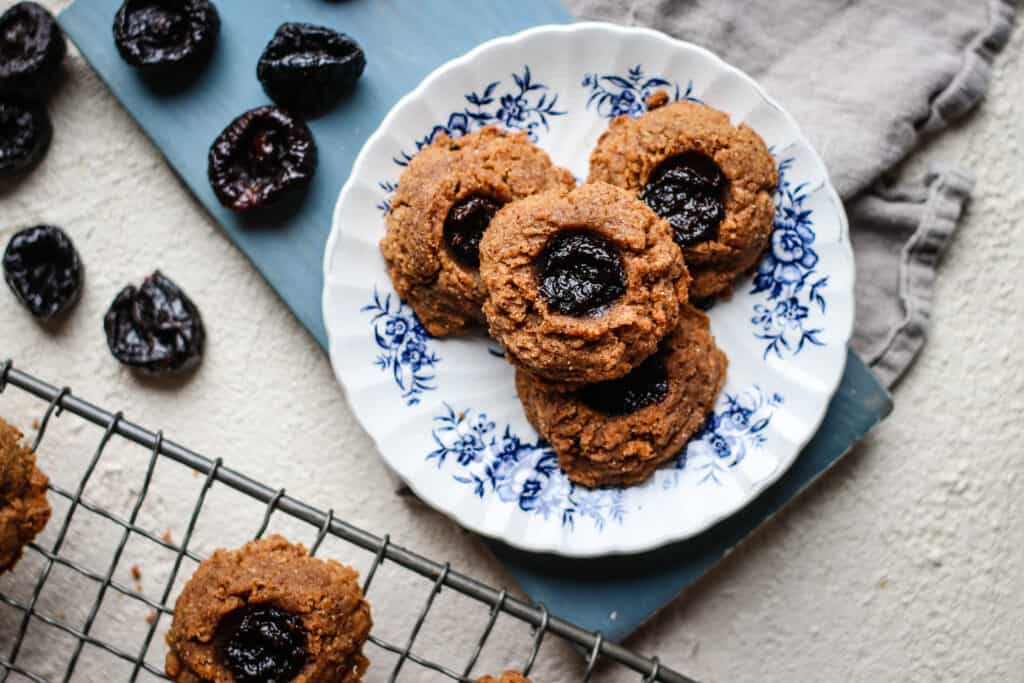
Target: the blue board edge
pixel 288 256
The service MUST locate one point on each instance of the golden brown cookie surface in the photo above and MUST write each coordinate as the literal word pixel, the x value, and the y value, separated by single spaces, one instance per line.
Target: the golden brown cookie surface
pixel 620 432
pixel 315 607
pixel 444 201
pixel 581 286
pixel 24 509
pixel 507 677
pixel 668 148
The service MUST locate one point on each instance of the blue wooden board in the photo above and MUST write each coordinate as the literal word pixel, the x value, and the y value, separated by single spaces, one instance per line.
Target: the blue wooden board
pixel 404 41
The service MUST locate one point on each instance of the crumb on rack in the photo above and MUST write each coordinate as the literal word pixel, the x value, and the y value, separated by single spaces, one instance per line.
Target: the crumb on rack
pixel 136 572
pixel 151 617
pixel 168 538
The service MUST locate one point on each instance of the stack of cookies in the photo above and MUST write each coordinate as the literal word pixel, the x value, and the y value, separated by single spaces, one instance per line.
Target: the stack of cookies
pixel 593 291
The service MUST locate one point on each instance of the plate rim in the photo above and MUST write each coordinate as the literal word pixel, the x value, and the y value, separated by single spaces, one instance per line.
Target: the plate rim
pixel 844 327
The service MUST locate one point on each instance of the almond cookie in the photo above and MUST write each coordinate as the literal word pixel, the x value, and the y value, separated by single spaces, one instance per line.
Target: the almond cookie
pixel 712 181
pixel 445 200
pixel 581 286
pixel 24 510
pixel 269 612
pixel 619 432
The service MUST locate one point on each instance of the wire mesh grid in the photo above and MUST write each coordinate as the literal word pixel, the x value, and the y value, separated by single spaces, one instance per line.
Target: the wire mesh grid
pixel 384 552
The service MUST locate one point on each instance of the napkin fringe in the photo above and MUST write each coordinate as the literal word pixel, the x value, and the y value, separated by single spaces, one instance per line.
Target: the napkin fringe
pixel 949 189
pixel 971 83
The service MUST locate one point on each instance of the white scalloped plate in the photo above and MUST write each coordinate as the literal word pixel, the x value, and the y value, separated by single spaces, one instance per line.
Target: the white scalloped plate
pixel 444 412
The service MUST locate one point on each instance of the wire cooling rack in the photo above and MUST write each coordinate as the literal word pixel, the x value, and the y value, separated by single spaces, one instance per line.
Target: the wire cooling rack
pixel 82 636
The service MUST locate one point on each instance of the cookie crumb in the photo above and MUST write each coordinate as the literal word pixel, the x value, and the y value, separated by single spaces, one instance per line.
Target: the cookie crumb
pixel 658 98
pixel 136 572
pixel 168 538
pixel 151 617
pixel 35 424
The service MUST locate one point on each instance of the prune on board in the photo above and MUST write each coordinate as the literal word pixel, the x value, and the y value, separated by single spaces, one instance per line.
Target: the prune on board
pixel 155 328
pixel 32 48
pixel 263 156
pixel 307 67
pixel 688 190
pixel 261 644
pixel 580 272
pixel 645 385
pixel 465 225
pixel 43 269
pixel 25 133
pixel 166 37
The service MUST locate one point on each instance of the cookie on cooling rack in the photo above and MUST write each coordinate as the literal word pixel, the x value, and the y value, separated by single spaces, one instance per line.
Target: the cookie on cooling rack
pixel 269 612
pixel 619 432
pixel 445 200
pixel 507 677
pixel 581 285
pixel 24 510
pixel 714 182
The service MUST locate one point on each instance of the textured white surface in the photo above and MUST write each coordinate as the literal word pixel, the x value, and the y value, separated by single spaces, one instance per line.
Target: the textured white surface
pixel 903 564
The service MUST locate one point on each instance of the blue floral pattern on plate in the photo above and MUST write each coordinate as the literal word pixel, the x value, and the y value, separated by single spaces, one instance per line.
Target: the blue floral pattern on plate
pixel 524 105
pixel 730 434
pixel 788 277
pixel 404 346
pixel 497 462
pixel 613 95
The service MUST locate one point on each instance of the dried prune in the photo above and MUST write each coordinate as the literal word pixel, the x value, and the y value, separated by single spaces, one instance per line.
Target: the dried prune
pixel 261 644
pixel 307 67
pixel 25 133
pixel 263 156
pixel 580 272
pixel 465 225
pixel 645 385
pixel 155 327
pixel 689 191
pixel 32 48
pixel 166 37
pixel 43 269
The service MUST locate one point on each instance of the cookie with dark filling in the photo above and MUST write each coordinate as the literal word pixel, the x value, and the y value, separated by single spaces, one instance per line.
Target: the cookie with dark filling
pixel 581 285
pixel 713 182
pixel 444 203
pixel 619 432
pixel 268 612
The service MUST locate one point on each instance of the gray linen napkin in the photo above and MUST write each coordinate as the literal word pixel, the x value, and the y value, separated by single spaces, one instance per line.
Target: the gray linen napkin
pixel 866 80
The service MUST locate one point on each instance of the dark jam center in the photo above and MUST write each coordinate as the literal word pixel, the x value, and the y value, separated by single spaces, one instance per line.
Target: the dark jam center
pixel 645 385
pixel 261 644
pixel 688 190
pixel 465 225
pixel 580 273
